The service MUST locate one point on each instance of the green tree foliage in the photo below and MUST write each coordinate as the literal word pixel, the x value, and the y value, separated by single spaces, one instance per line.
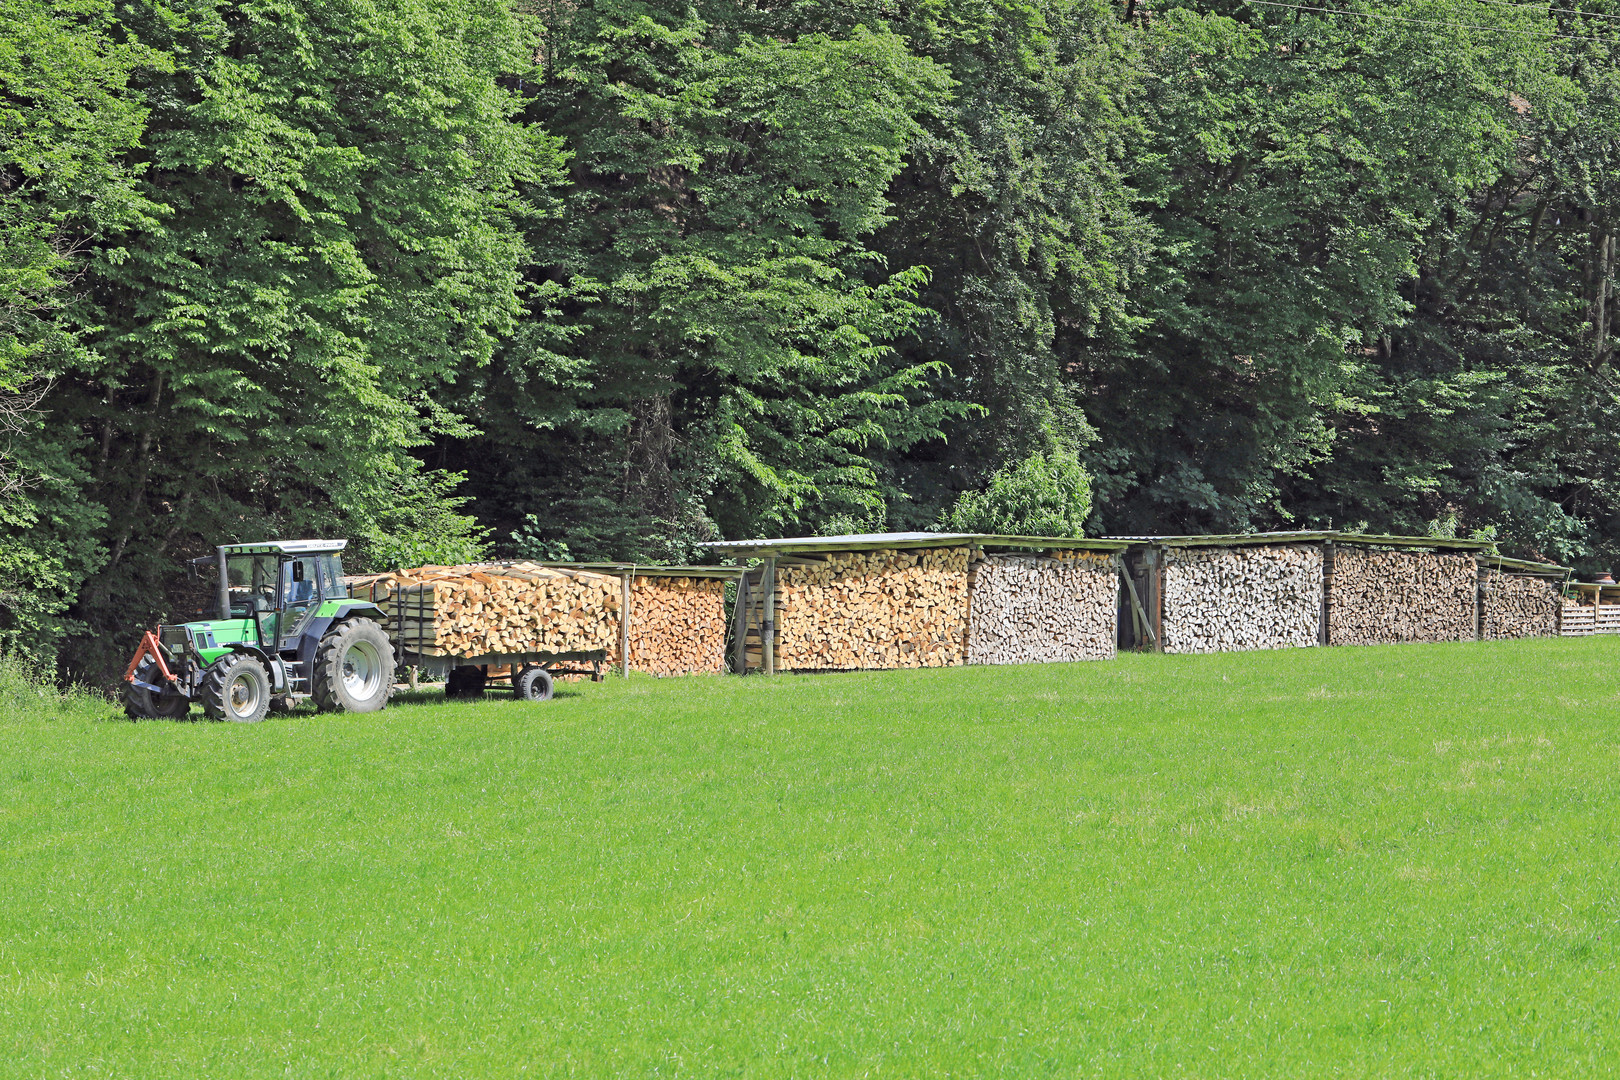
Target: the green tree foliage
pixel 710 348
pixel 1296 171
pixel 67 181
pixel 335 237
pixel 1046 494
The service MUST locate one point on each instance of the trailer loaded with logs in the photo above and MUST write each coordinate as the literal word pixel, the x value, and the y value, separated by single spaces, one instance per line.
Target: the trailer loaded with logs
pixel 516 626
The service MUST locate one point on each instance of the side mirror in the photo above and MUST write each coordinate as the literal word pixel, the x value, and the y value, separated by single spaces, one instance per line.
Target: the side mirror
pixel 298 571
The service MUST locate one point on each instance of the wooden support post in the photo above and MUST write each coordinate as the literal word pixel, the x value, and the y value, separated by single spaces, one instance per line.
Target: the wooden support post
pixel 1324 635
pixel 1155 599
pixel 624 625
pixel 1139 619
pixel 1479 605
pixel 767 628
pixel 739 617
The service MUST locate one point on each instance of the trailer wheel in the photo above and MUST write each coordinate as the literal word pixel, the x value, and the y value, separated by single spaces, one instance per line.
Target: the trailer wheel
pixel 236 688
pixel 354 668
pixel 532 684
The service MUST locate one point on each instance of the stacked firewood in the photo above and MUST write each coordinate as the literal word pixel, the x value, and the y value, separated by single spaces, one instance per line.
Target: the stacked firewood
pixel 484 609
pixel 677 625
pixel 873 609
pixel 1376 597
pixel 1517 606
pixel 1231 599
pixel 1030 610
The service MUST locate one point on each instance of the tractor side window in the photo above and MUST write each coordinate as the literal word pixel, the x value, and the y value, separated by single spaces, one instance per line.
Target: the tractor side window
pixel 249 576
pixel 332 586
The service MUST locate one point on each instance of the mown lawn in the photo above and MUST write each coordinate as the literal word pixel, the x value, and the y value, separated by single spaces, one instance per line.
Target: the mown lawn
pixel 1390 861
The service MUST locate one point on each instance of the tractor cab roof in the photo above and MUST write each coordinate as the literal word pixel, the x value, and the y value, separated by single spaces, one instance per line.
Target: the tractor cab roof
pixel 286 547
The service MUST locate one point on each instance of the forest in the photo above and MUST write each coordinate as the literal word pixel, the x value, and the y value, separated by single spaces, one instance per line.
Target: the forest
pixel 607 279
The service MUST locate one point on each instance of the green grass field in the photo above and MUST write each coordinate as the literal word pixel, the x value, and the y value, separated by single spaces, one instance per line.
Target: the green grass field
pixel 1388 861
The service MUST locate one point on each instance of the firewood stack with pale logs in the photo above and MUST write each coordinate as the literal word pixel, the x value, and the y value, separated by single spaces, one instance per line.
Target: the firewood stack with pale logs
pixel 1517 606
pixel 1377 597
pixel 482 609
pixel 1232 599
pixel 677 625
pixel 1028 609
pixel 872 609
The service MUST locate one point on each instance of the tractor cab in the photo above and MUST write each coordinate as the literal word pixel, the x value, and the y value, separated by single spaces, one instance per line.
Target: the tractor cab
pixel 274 588
pixel 283 610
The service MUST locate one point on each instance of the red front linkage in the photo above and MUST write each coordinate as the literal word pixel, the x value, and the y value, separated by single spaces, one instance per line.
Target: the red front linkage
pixel 149 647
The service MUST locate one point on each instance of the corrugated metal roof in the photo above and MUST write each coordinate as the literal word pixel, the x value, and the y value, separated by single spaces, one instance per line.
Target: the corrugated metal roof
pixel 869 541
pixel 1501 562
pixel 1231 539
pixel 872 541
pixel 650 569
pixel 1310 536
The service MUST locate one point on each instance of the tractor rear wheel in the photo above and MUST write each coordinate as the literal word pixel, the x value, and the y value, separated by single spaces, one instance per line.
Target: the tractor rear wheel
pixel 141 704
pixel 236 688
pixel 354 668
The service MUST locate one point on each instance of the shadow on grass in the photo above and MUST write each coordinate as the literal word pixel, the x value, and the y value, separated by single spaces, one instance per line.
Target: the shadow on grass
pixel 402 699
pixel 434 696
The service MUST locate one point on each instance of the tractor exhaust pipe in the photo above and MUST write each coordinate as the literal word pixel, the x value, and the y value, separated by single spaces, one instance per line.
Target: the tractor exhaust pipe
pixel 224 585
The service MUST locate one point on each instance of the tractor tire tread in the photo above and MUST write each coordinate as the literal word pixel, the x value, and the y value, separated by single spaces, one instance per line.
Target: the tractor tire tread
pixel 216 682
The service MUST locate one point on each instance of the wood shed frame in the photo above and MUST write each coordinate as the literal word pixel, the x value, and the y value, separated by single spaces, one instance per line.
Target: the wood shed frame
pixel 755 622
pixel 1146 558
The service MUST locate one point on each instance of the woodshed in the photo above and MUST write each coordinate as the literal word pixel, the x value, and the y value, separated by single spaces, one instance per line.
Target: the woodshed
pixel 1519 599
pixel 905 600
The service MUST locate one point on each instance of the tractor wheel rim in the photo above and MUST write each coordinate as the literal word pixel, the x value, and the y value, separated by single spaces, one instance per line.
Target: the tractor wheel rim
pixel 362 669
pixel 244 695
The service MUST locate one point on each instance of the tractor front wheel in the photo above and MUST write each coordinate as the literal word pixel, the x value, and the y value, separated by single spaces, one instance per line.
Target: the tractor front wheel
pixel 354 668
pixel 236 688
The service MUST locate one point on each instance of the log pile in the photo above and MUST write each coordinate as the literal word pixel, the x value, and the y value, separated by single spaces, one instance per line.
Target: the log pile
pixel 872 609
pixel 483 609
pixel 677 625
pixel 1379 597
pixel 1232 599
pixel 1031 610
pixel 1517 606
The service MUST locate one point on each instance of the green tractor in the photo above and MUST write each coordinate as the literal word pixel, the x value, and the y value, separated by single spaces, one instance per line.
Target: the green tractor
pixel 287 630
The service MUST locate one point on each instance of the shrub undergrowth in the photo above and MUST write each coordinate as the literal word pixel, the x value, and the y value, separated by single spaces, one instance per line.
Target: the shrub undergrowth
pixel 28 693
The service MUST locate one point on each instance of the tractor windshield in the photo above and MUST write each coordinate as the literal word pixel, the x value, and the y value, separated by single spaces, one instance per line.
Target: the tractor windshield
pixel 250 576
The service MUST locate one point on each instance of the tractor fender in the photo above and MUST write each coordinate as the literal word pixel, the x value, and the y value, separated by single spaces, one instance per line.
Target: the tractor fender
pixel 359 609
pixel 317 628
pixel 314 632
pixel 272 664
